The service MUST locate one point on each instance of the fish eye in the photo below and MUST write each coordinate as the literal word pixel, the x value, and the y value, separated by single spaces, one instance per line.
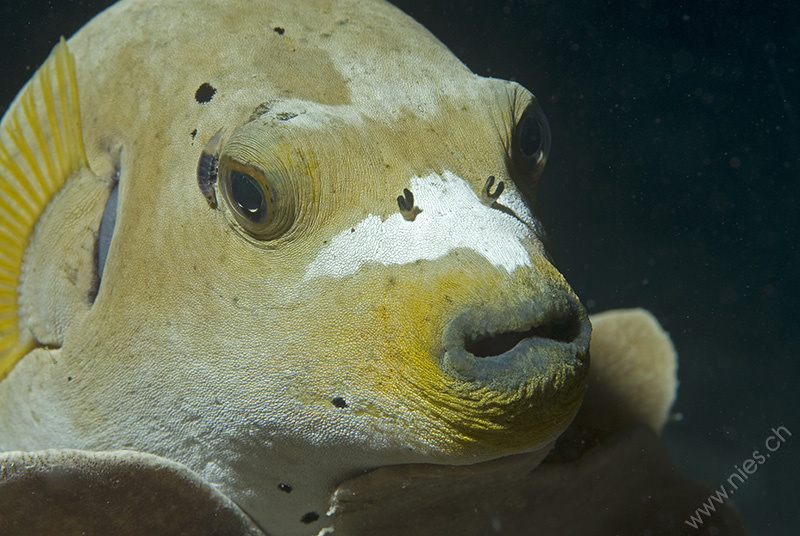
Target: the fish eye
pixel 258 202
pixel 248 197
pixel 532 139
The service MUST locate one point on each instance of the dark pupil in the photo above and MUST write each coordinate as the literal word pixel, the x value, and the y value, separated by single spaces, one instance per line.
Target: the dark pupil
pixel 249 195
pixel 530 137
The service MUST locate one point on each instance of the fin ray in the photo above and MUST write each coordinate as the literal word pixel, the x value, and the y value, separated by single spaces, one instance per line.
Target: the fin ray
pixel 29 109
pixel 11 193
pixel 31 188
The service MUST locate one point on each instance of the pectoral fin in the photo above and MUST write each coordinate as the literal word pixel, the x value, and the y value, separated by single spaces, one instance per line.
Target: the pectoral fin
pixel 41 146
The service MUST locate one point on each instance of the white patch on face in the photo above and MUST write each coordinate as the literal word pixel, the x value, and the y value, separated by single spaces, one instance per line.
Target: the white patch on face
pixel 452 217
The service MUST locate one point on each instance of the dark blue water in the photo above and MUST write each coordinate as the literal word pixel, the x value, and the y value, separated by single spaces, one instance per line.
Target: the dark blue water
pixel 673 184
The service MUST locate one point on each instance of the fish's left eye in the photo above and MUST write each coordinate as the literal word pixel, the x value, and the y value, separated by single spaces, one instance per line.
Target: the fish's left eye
pixel 531 143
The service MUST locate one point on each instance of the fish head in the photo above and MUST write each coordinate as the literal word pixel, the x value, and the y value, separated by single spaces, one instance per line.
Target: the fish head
pixel 323 263
pixel 380 284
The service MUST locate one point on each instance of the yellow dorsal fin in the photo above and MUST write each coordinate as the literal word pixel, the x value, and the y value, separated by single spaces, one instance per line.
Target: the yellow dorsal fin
pixel 43 146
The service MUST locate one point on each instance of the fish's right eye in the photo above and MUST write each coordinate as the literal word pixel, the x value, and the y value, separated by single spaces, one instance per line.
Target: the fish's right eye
pixel 260 202
pixel 249 198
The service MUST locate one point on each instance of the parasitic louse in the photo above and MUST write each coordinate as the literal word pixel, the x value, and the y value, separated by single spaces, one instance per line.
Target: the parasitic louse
pixel 487 189
pixel 406 204
pixel 207 168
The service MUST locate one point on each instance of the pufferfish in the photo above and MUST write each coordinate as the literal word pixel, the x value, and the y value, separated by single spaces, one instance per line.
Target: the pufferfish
pixel 258 256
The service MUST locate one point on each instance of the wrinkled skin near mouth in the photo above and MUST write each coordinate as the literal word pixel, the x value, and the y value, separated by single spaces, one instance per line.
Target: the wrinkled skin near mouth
pixel 477 375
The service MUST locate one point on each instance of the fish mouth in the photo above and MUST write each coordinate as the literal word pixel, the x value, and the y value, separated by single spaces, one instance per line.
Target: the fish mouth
pixel 535 339
pixel 496 344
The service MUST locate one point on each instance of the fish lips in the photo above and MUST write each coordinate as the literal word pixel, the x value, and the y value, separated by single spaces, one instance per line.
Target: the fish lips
pixel 534 343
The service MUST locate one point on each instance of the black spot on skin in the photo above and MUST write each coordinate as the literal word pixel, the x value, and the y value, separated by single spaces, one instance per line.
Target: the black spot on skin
pixel 205 93
pixel 286 488
pixel 194 134
pixel 309 517
pixel 278 30
pixel 339 402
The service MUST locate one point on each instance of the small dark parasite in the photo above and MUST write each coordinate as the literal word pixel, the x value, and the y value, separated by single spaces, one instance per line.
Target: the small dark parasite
pixel 406 201
pixel 207 168
pixel 406 204
pixel 487 189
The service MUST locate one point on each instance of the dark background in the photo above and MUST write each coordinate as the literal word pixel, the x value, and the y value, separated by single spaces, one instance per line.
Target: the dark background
pixel 672 185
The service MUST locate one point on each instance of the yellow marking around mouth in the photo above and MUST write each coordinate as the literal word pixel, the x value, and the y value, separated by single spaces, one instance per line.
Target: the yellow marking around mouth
pixel 408 315
pixel 44 150
pixel 531 414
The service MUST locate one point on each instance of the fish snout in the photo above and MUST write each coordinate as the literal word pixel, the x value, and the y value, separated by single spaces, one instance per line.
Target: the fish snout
pixel 512 371
pixel 539 337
